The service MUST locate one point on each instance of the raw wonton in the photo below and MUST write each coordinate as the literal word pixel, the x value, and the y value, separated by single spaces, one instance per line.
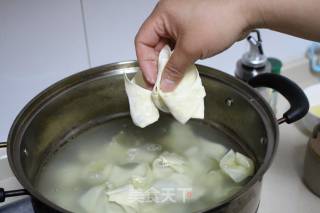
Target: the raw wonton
pixel 143 111
pixel 186 101
pixel 96 172
pixel 179 138
pixel 127 197
pixel 168 163
pixel 96 200
pixel 237 166
pixel 121 175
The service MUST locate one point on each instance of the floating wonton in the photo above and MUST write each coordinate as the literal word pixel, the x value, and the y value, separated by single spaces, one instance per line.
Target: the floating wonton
pixel 168 163
pixel 198 162
pixel 212 150
pixel 237 166
pixel 141 155
pixel 96 200
pixel 114 152
pixel 179 138
pixel 121 175
pixel 205 156
pixel 220 185
pixel 96 172
pixel 179 185
pixel 127 197
pixel 184 103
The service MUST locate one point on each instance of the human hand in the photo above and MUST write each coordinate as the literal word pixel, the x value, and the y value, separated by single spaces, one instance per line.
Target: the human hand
pixel 197 29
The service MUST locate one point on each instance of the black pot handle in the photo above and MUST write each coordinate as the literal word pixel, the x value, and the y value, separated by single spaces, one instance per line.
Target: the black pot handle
pixel 299 104
pixel 3 145
pixel 13 193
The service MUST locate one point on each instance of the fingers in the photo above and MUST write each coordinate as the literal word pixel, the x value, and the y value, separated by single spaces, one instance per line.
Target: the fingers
pixel 149 41
pixel 174 71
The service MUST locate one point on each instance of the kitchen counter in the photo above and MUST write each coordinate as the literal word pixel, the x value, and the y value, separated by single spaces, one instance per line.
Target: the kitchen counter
pixel 283 189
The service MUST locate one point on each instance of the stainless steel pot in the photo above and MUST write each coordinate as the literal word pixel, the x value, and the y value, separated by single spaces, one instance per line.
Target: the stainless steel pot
pixel 39 129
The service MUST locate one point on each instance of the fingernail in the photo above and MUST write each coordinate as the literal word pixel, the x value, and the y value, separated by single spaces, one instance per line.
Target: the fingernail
pixel 151 78
pixel 150 74
pixel 167 85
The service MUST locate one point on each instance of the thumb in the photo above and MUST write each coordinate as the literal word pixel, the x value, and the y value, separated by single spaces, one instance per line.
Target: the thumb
pixel 175 69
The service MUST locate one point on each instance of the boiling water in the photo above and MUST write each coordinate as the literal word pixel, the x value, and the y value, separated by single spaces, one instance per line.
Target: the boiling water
pixel 80 166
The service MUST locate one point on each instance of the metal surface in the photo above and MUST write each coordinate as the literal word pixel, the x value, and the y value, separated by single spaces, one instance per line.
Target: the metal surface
pixel 253 62
pixel 11 193
pixel 255 57
pixel 99 92
pixel 245 73
pixel 25 206
pixel 281 120
pixel 3 145
pixel 311 174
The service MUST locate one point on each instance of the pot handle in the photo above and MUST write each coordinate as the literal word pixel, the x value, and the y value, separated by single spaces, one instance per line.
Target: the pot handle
pixel 13 193
pixel 299 104
pixel 3 145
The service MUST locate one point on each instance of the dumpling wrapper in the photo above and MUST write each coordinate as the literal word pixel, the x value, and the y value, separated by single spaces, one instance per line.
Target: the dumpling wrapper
pixel 212 150
pixel 222 186
pixel 187 100
pixel 121 175
pixel 96 200
pixel 126 196
pixel 237 166
pixel 140 155
pixel 142 182
pixel 168 163
pixel 142 109
pixel 184 103
pixel 179 138
pixel 99 199
pixel 199 163
pixel 96 172
pixel 204 156
pixel 178 184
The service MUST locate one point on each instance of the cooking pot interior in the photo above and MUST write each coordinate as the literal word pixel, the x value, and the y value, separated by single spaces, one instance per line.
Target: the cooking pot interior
pixel 99 93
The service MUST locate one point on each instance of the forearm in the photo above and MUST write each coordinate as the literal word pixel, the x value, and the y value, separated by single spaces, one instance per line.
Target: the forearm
pixel 201 29
pixel 295 17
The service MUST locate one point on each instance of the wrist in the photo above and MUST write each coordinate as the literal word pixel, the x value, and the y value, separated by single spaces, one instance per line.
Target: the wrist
pixel 253 12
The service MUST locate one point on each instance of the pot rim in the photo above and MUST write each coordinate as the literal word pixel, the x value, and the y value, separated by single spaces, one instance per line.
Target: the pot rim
pixel 27 113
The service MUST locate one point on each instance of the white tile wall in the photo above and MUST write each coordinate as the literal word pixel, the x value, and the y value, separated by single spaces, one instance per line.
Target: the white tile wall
pixel 284 47
pixel 41 41
pixel 112 25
